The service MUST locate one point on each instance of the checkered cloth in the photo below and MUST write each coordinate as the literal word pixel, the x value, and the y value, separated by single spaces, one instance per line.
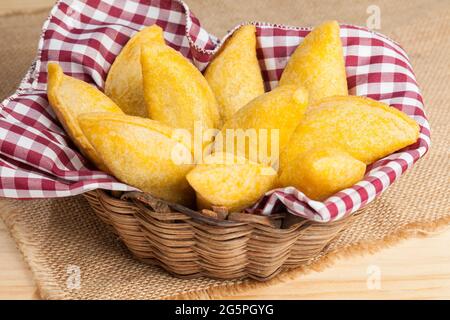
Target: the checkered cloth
pixel 37 159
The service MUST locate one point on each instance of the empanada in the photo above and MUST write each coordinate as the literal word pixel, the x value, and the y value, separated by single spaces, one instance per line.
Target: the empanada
pixel 358 127
pixel 230 181
pixel 318 64
pixel 234 74
pixel 365 128
pixel 276 112
pixel 321 172
pixel 175 91
pixel 124 81
pixel 142 153
pixel 70 97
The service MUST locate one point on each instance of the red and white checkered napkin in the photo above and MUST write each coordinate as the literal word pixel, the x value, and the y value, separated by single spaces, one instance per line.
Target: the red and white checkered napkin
pixel 38 159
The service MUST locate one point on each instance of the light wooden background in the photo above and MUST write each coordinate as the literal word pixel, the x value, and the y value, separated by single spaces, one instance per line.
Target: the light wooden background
pixel 413 269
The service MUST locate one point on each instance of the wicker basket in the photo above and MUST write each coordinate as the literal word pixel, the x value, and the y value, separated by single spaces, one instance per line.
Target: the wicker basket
pixel 188 244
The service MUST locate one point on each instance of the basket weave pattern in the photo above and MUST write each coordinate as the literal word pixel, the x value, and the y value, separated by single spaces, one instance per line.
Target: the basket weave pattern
pixel 188 247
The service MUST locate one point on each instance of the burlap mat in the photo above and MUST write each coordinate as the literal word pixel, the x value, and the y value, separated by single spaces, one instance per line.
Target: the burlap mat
pixel 55 234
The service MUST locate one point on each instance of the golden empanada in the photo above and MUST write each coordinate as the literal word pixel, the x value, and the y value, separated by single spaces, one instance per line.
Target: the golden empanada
pixel 142 153
pixel 230 181
pixel 358 127
pixel 234 74
pixel 318 63
pixel 366 129
pixel 70 97
pixel 321 172
pixel 176 92
pixel 273 115
pixel 124 81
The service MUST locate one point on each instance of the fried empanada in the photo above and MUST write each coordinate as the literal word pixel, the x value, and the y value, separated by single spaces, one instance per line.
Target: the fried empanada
pixel 361 128
pixel 124 81
pixel 230 181
pixel 234 74
pixel 70 97
pixel 276 112
pixel 321 172
pixel 318 64
pixel 142 153
pixel 175 91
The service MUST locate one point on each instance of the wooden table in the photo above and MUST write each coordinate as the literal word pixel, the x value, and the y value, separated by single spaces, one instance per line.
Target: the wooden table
pixel 413 269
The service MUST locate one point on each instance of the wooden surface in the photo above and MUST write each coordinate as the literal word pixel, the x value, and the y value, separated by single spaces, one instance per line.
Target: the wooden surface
pixel 413 269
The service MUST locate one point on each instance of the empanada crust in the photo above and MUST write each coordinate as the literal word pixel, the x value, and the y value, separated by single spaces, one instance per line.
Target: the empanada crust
pixel 358 130
pixel 235 184
pixel 318 64
pixel 280 109
pixel 321 172
pixel 175 91
pixel 367 129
